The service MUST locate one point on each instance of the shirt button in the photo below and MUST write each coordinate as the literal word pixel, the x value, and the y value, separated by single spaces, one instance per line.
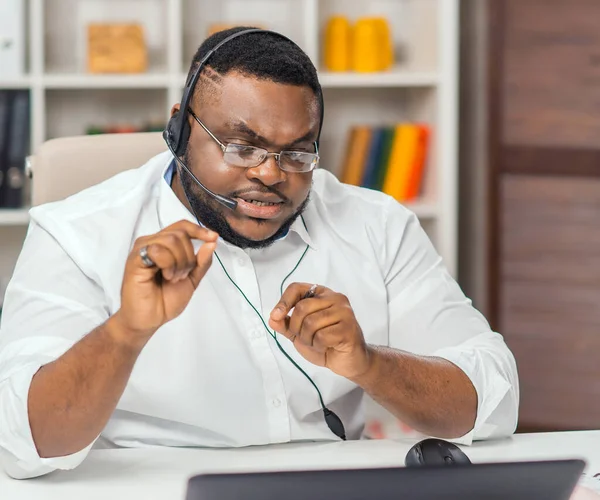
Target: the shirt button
pixel 276 402
pixel 242 261
pixel 257 334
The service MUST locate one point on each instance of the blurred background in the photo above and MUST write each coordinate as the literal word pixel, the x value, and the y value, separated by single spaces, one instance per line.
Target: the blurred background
pixel 482 116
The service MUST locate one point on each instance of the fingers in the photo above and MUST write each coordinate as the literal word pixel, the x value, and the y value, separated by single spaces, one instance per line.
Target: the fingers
pixel 319 329
pixel 193 231
pixel 170 257
pixel 203 262
pixel 291 296
pixel 314 321
pixel 172 252
pixel 305 309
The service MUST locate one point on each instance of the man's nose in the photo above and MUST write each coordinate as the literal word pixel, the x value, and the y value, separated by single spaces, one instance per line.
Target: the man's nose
pixel 268 172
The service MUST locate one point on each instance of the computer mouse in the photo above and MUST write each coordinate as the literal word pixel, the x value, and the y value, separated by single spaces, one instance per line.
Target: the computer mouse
pixel 435 452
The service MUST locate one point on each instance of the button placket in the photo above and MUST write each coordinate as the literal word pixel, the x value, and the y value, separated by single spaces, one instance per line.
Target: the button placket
pixel 274 390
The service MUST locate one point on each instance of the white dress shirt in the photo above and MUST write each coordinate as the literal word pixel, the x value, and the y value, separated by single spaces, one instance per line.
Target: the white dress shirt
pixel 213 376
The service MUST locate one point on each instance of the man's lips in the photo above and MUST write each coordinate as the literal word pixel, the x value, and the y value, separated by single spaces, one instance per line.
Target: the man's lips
pixel 259 209
pixel 259 196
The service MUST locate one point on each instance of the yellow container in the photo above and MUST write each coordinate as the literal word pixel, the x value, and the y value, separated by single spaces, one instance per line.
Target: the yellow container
pixel 386 44
pixel 338 44
pixel 366 56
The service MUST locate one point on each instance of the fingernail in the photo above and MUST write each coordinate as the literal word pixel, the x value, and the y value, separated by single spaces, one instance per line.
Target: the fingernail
pixel 211 246
pixel 277 313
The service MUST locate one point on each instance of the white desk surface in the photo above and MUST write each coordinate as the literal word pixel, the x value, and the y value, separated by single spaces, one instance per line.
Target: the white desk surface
pixel 162 473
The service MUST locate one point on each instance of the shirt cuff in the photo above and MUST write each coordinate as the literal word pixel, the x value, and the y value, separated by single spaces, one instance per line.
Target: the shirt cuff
pixel 19 456
pixel 490 385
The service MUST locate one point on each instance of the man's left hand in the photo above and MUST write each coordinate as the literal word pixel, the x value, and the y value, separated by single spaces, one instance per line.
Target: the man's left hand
pixel 323 329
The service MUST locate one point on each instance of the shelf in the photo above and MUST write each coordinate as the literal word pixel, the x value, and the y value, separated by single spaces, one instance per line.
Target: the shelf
pixel 14 216
pixel 22 82
pixel 73 111
pixel 84 81
pixel 383 79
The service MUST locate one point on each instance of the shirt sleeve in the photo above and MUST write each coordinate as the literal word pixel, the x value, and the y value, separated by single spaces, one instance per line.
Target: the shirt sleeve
pixel 50 304
pixel 430 315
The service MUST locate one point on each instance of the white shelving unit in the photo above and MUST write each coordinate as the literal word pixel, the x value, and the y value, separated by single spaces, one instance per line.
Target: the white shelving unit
pixel 14 217
pixel 392 79
pixel 422 85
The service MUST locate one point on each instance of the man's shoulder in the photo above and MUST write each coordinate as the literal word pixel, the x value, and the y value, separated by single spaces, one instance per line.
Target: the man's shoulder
pixel 356 205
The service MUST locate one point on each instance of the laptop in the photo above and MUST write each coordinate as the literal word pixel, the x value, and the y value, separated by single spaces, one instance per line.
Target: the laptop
pixel 548 480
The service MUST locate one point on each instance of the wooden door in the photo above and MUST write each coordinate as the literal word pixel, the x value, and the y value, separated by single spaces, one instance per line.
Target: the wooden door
pixel 544 252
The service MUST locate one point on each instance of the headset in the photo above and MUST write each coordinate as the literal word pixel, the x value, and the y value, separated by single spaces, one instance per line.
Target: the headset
pixel 178 130
pixel 177 135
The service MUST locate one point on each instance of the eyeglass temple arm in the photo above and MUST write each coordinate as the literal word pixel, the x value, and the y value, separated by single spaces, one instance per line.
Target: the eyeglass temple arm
pixel 223 147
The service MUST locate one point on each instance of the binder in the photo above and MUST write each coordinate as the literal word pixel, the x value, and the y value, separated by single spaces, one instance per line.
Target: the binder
pixel 5 109
pixel 16 150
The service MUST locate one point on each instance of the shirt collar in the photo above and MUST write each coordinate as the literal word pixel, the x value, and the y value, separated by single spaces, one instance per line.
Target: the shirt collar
pixel 171 210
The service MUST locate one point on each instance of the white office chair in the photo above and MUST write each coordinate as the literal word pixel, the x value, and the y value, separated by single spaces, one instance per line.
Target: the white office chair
pixel 65 166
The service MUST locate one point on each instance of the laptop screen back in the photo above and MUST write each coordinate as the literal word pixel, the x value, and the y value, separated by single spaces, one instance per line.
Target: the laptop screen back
pixel 550 480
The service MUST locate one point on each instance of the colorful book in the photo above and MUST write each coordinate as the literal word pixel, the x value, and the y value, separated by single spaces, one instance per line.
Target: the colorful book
pixel 357 148
pixel 384 157
pixel 369 179
pixel 398 175
pixel 418 166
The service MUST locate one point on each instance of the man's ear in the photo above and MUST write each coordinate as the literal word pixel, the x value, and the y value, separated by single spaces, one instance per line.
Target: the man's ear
pixel 175 109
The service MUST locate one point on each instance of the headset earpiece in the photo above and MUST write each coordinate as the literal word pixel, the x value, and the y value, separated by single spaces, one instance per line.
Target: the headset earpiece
pixel 177 134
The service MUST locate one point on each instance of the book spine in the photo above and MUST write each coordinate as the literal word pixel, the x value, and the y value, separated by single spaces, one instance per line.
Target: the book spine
pixel 416 173
pixel 384 157
pixel 394 181
pixel 4 120
pixel 17 147
pixel 356 157
pixel 372 161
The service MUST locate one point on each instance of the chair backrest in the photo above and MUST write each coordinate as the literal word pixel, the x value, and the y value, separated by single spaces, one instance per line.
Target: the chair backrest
pixel 65 166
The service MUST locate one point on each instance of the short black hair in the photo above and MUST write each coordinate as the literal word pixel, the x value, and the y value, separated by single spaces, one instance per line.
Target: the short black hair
pixel 266 56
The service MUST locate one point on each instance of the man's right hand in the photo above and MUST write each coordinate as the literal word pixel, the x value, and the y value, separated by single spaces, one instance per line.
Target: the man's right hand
pixel 71 398
pixel 152 296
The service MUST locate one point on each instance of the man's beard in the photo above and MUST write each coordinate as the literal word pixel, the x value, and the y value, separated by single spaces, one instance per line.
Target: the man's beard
pixel 209 212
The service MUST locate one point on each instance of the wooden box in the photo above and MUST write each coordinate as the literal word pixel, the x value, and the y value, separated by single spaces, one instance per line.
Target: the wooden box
pixel 116 48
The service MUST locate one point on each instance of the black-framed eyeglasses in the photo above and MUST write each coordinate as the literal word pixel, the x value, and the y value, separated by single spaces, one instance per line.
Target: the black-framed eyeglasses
pixel 240 155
